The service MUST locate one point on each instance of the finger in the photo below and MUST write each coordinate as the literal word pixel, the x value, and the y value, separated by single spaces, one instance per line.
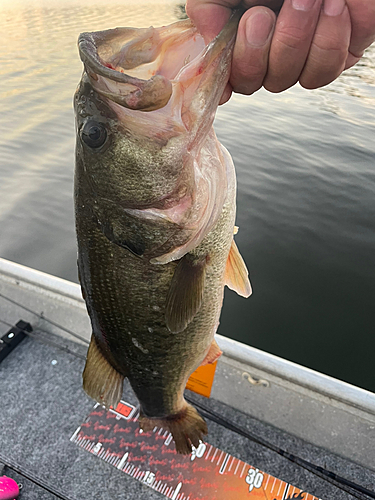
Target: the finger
pixel 351 60
pixel 362 14
pixel 329 49
pixel 250 55
pixel 226 94
pixel 210 16
pixel 291 42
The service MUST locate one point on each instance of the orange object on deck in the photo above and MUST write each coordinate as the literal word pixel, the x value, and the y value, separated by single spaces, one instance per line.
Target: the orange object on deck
pixel 202 379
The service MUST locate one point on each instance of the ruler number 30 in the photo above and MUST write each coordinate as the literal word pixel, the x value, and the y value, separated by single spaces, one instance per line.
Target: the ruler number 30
pixel 254 479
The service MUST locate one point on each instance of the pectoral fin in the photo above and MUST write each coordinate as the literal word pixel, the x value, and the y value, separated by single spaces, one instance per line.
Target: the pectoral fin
pixel 185 294
pixel 236 274
pixel 100 380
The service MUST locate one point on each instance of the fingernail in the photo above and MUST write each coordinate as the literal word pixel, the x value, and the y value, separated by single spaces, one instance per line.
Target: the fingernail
pixel 303 4
pixel 258 28
pixel 334 7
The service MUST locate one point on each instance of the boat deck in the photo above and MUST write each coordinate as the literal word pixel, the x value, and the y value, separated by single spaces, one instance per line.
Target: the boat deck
pixel 42 404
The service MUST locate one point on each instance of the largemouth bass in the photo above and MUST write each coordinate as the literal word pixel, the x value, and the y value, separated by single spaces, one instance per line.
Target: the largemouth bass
pixel 155 212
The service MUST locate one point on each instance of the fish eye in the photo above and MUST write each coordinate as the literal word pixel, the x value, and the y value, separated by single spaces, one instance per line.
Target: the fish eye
pixel 94 134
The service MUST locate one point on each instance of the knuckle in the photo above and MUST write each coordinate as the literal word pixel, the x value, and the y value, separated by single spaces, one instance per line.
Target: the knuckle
pixel 311 83
pixel 293 37
pixel 250 67
pixel 246 90
pixel 278 83
pixel 249 83
pixel 249 72
pixel 276 86
pixel 315 76
pixel 328 62
pixel 325 42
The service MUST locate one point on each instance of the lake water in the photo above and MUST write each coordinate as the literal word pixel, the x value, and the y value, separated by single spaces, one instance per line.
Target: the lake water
pixel 306 185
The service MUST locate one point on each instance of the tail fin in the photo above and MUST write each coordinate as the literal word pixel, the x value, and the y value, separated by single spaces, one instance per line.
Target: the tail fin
pixel 187 428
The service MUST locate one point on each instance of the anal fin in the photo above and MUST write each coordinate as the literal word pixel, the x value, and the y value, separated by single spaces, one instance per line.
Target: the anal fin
pixel 185 294
pixel 213 354
pixel 236 274
pixel 100 380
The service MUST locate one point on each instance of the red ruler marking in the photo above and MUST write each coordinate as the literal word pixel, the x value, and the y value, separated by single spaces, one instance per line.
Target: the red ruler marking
pixel 150 457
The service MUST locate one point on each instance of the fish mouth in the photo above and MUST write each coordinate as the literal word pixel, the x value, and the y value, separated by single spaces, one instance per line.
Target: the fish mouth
pixel 139 68
pixel 118 60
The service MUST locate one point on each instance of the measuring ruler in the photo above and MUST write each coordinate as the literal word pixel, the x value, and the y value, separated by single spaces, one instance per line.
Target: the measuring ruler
pixel 150 457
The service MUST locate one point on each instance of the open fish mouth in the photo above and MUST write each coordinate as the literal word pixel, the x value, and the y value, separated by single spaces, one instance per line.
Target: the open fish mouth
pixel 139 68
pixel 164 86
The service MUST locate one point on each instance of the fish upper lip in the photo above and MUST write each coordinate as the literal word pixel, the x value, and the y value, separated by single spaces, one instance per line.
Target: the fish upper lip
pixel 136 93
pixel 91 43
pixel 146 95
pixel 87 46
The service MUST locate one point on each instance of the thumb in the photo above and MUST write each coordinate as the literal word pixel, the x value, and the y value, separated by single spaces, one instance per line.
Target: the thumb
pixel 208 17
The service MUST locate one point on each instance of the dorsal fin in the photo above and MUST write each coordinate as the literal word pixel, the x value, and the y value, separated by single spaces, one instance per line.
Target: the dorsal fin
pixel 236 274
pixel 185 294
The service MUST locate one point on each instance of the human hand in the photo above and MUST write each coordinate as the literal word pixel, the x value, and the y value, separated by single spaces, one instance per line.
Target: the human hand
pixel 310 41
